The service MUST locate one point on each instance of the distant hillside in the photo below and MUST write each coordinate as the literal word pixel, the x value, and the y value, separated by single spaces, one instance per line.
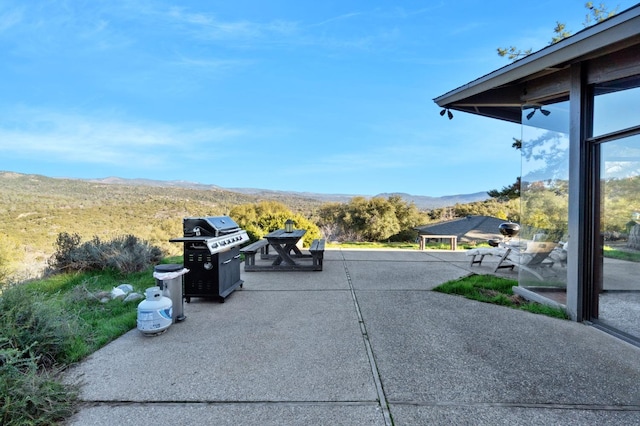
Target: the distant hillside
pixel 34 209
pixel 150 182
pixel 423 202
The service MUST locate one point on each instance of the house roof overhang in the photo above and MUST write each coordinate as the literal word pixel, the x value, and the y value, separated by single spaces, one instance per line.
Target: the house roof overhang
pixel 543 76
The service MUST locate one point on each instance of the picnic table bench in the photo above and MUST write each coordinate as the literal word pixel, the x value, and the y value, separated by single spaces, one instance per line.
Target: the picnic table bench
pixel 317 252
pixel 288 257
pixel 252 249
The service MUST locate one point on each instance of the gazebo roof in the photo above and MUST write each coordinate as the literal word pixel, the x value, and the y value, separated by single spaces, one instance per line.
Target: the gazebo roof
pixel 544 76
pixel 470 228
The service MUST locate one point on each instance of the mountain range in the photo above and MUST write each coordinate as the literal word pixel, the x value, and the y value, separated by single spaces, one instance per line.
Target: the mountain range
pixel 423 202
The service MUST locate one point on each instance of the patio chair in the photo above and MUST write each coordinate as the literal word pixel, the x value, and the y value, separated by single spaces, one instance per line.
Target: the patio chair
pixel 477 255
pixel 535 258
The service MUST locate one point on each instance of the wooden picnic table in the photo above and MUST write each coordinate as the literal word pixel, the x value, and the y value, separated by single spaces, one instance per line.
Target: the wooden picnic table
pixel 288 255
pixel 285 244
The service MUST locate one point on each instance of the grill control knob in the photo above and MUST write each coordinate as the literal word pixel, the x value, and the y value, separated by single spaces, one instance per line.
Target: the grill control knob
pixel 208 266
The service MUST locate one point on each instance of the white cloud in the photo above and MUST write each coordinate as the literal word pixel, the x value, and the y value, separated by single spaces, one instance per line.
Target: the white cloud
pixel 207 26
pixel 342 17
pixel 69 137
pixel 10 19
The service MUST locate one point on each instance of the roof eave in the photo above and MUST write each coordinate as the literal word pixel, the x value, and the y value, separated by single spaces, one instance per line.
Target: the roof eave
pixel 552 58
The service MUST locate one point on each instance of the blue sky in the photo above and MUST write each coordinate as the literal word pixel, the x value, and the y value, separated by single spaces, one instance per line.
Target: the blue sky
pixel 319 96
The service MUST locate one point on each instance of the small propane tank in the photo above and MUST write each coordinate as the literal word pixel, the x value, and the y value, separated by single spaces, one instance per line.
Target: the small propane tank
pixel 154 313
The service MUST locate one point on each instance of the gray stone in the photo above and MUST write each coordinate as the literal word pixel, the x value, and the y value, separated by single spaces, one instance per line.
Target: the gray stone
pixel 127 288
pixel 132 297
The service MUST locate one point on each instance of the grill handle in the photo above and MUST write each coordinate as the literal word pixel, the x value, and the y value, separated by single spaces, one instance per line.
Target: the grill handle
pixel 226 261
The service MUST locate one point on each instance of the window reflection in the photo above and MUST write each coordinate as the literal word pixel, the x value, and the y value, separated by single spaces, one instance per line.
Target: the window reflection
pixel 545 199
pixel 619 299
pixel 616 106
pixel 550 117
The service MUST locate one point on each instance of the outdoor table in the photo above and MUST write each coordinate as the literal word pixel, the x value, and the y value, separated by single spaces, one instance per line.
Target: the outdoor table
pixel 453 240
pixel 284 243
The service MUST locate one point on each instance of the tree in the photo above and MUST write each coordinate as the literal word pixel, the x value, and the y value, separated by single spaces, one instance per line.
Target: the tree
pixel 408 217
pixel 258 219
pixel 596 14
pixel 545 209
pixel 510 192
pixel 374 219
pixel 378 220
pixel 507 210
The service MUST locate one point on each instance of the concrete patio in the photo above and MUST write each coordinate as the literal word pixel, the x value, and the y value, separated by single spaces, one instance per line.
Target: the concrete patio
pixel 363 342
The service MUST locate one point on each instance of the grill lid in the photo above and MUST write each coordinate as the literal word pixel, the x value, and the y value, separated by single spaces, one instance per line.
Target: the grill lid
pixel 212 226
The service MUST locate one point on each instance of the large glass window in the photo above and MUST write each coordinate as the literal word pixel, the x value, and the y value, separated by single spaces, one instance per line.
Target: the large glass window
pixel 616 105
pixel 543 240
pixel 618 293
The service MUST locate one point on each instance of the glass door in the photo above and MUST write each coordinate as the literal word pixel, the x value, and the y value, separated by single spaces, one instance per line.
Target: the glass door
pixel 618 303
pixel 616 130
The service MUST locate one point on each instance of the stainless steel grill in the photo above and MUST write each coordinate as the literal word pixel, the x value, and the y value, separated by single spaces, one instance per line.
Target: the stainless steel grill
pixel 212 255
pixel 217 233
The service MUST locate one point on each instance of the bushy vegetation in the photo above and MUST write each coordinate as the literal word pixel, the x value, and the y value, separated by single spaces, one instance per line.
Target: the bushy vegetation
pixel 258 219
pixel 374 219
pixel 7 258
pixel 34 337
pixel 125 253
pixel 503 209
pixel 545 206
pixel 49 323
pixel 33 325
pixel 35 209
pixel 28 394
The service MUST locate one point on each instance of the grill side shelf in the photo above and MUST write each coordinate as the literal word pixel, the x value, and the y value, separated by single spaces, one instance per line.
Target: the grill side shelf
pixel 189 239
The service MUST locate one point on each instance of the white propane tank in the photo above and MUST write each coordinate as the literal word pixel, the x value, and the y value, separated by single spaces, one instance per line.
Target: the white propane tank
pixel 154 313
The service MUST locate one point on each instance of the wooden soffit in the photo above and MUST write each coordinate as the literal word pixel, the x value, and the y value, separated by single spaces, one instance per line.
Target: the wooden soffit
pixel 610 49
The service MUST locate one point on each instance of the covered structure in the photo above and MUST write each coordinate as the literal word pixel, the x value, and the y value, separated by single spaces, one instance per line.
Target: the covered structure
pixel 578 103
pixel 472 228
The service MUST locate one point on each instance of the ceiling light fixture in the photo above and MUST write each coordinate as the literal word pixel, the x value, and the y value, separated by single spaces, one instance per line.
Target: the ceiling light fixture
pixel 544 112
pixel 446 111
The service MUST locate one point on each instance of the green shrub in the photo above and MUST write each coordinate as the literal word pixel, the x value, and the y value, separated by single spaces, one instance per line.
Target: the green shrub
pixel 126 254
pixel 258 219
pixel 34 338
pixel 30 395
pixel 31 323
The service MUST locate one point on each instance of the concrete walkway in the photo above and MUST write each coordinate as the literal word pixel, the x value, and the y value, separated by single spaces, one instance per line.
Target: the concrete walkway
pixel 364 342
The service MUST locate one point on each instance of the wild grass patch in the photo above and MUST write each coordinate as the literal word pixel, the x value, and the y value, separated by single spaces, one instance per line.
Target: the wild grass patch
pixel 498 291
pixel 50 323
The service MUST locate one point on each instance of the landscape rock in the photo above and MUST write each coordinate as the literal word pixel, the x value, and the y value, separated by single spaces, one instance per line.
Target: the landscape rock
pixel 117 293
pixel 127 288
pixel 133 297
